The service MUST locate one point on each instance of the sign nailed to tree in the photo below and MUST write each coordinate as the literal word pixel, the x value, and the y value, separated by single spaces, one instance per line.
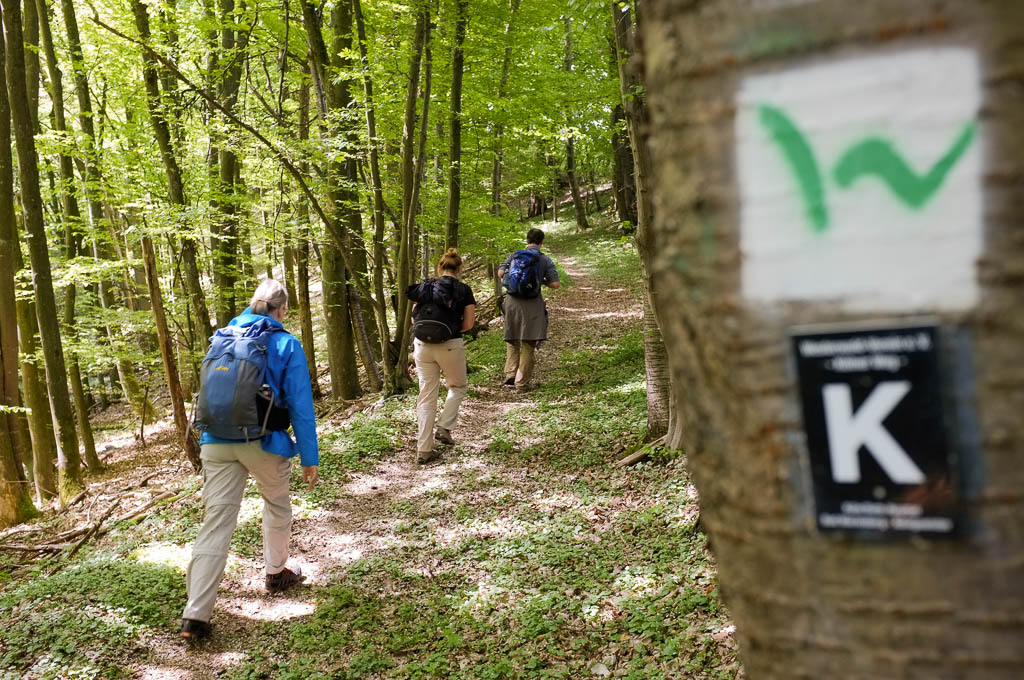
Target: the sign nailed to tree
pixel 874 418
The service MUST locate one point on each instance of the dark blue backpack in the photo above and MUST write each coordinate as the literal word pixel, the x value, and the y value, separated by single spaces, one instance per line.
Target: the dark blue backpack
pixel 235 401
pixel 522 279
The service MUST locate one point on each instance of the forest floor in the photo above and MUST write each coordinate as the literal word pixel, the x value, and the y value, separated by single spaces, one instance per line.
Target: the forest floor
pixel 522 553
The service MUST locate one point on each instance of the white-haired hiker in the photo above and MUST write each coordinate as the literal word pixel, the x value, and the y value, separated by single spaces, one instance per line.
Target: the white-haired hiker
pixel 244 410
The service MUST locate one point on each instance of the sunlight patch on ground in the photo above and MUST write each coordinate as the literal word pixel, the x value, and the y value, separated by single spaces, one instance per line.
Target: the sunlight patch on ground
pixel 368 484
pixel 264 609
pixel 635 386
pixel 164 553
pixel 556 501
pixel 163 673
pixel 342 548
pixel 431 479
pixel 629 314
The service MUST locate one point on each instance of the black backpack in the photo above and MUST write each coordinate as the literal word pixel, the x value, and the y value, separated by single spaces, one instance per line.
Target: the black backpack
pixel 433 323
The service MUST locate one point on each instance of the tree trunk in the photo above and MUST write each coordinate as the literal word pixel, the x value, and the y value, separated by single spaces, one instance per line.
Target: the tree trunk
pixel 409 173
pixel 9 395
pixel 72 236
pixel 224 229
pixel 341 346
pixel 93 179
pixel 570 143
pixel 659 416
pixel 175 185
pixel 302 259
pixel 15 492
pixel 451 239
pixel 383 332
pixel 725 87
pixel 187 442
pixel 68 459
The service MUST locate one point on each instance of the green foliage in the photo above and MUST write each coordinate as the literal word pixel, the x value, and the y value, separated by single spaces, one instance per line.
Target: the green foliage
pixel 82 618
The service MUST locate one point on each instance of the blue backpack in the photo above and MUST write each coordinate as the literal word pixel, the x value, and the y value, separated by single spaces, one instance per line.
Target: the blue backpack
pixel 235 401
pixel 522 279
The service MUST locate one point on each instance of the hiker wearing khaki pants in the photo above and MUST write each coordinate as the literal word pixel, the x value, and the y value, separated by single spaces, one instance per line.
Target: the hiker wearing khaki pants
pixel 445 308
pixel 255 384
pixel 524 273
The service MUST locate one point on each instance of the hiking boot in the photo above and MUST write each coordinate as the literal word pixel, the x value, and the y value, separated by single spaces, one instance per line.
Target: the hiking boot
pixel 424 457
pixel 444 436
pixel 282 580
pixel 509 382
pixel 194 630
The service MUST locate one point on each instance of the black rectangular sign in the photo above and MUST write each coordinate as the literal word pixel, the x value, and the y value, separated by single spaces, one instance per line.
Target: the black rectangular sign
pixel 874 418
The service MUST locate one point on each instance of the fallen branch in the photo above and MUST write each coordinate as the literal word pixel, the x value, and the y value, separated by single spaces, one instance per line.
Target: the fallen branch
pixel 20 547
pixel 640 455
pixel 73 501
pixel 95 528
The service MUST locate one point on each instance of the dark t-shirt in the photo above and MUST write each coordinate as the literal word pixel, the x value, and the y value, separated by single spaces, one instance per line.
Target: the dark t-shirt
pixel 446 292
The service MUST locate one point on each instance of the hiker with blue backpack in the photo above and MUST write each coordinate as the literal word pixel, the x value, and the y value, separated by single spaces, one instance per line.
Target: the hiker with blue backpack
pixel 526 314
pixel 254 385
pixel 445 309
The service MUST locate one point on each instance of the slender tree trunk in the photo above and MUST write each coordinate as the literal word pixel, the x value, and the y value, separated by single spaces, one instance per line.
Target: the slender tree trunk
pixel 72 235
pixel 93 182
pixel 383 332
pixel 408 175
pixel 570 142
pixel 185 439
pixel 499 133
pixel 660 417
pixel 158 117
pixel 302 261
pixel 451 238
pixel 69 461
pixel 341 347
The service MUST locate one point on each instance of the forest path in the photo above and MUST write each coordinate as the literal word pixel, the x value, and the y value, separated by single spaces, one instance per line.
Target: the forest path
pixel 365 520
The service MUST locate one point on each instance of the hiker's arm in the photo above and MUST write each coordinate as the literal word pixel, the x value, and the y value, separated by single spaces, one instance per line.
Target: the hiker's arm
pixel 551 274
pixel 298 395
pixel 468 317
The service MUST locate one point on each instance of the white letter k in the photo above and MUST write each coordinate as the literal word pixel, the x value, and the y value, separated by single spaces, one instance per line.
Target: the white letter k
pixel 848 431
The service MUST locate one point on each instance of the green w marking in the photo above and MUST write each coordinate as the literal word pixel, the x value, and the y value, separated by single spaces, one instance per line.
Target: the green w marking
pixel 872 156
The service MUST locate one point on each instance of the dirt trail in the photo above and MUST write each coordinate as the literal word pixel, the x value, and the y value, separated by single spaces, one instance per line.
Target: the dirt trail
pixel 362 522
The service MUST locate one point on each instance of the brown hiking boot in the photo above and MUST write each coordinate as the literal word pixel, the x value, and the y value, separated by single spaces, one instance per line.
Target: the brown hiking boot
pixel 424 457
pixel 282 580
pixel 444 436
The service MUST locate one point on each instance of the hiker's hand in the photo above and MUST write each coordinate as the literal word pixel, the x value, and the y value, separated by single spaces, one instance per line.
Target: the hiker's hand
pixel 310 475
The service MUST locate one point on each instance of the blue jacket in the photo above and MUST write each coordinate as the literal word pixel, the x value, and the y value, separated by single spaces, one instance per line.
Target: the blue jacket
pixel 288 376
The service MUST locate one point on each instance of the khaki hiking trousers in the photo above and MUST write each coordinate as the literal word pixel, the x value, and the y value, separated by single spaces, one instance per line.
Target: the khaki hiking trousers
pixel 432 360
pixel 226 467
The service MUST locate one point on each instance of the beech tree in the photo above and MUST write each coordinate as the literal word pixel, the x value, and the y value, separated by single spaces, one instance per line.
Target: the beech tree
pixel 755 208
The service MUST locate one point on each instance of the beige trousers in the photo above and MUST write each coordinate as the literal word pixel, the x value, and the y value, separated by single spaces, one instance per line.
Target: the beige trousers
pixel 225 470
pixel 432 360
pixel 519 360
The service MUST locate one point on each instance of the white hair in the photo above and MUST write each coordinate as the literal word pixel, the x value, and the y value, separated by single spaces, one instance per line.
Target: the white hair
pixel 269 297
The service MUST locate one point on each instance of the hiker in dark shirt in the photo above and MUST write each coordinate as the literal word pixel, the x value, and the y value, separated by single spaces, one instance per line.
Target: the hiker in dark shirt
pixel 526 318
pixel 445 309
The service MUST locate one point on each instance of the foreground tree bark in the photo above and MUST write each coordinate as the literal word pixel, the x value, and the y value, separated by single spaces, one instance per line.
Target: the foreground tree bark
pixel 68 458
pixel 809 604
